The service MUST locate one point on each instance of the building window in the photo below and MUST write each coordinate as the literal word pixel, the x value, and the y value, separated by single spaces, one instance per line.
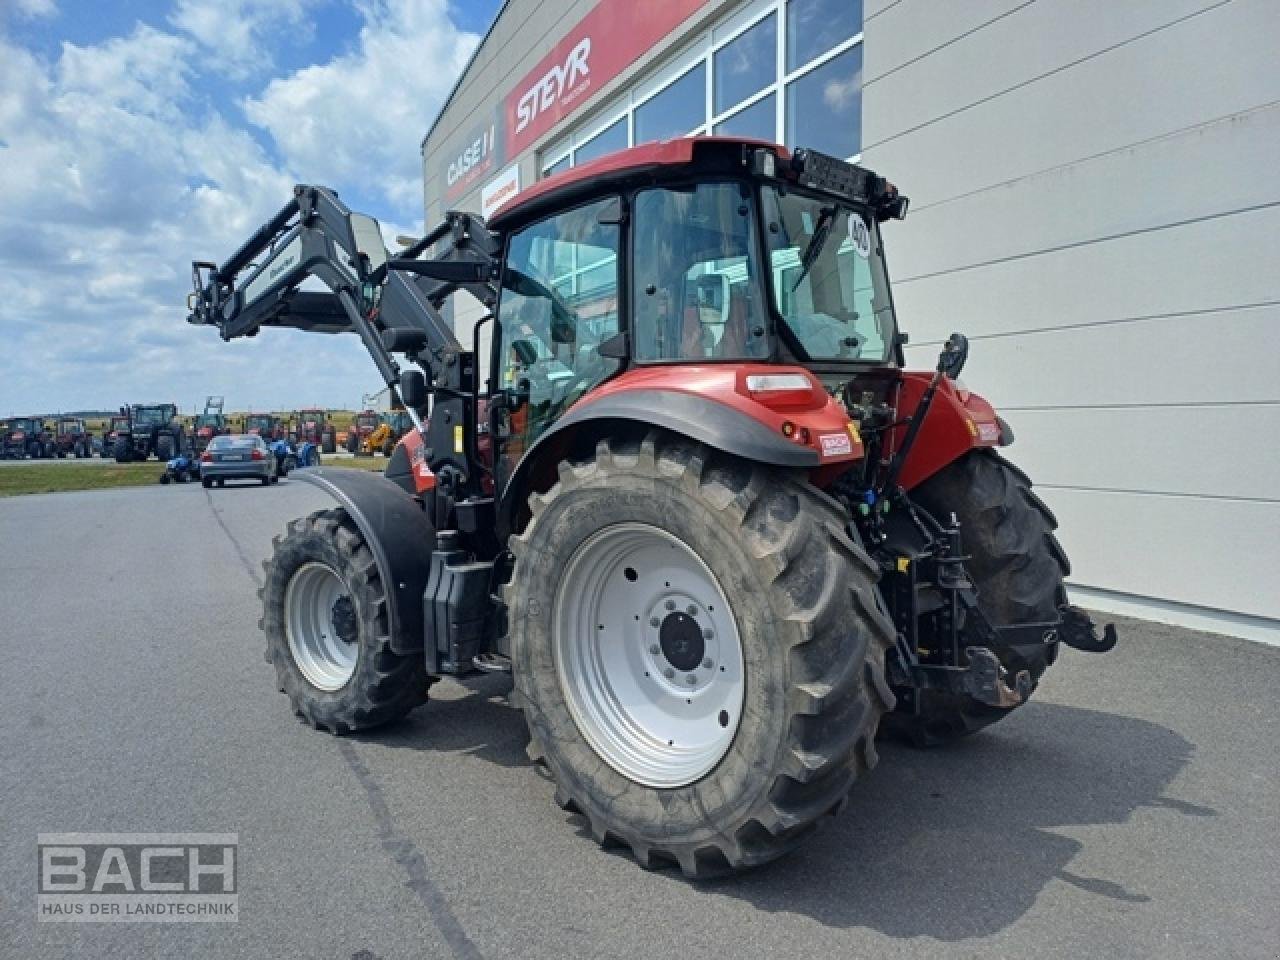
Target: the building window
pixel 816 26
pixel 745 65
pixel 824 106
pixel 676 109
pixel 788 71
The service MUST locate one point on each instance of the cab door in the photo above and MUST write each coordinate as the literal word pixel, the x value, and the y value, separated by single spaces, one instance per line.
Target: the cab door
pixel 559 302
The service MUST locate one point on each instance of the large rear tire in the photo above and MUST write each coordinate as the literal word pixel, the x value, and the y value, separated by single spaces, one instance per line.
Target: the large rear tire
pixel 751 560
pixel 325 620
pixel 1017 565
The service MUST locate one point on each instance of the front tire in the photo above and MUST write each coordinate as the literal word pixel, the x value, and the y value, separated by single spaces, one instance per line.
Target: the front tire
pixel 1017 565
pixel 325 621
pixel 800 625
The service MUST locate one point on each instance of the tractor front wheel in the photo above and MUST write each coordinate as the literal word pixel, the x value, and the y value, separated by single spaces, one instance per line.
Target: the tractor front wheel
pixel 325 620
pixel 1017 565
pixel 698 652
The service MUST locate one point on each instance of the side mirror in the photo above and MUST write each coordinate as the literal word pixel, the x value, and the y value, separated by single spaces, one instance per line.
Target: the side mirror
pixel 954 354
pixel 413 389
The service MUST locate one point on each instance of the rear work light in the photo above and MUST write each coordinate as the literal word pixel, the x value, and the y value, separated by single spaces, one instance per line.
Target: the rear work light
pixel 257 455
pixel 780 389
pixel 206 457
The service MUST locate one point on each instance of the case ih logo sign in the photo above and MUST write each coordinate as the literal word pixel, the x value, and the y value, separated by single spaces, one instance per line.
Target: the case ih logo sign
pixel 479 154
pixel 604 43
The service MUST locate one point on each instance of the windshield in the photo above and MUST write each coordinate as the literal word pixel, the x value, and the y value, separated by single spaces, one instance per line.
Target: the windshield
pixel 829 283
pixel 369 421
pixel 258 423
pixel 151 415
pixel 209 420
pixel 27 426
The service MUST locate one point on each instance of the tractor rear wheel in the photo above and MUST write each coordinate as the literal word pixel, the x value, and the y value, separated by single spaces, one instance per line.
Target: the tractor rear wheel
pixel 698 652
pixel 1017 565
pixel 123 451
pixel 325 619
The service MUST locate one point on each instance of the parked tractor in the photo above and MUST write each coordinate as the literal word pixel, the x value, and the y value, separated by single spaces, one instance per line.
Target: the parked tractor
pixel 266 425
pixel 719 534
pixel 362 428
pixel 392 427
pixel 148 430
pixel 28 437
pixel 313 426
pixel 72 437
pixel 114 426
pixel 210 424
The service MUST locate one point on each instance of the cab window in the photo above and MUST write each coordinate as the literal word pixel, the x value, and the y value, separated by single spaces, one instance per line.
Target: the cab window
pixel 696 283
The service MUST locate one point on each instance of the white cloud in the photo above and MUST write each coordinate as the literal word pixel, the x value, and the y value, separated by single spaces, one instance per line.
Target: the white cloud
pixel 360 118
pixel 238 33
pixel 116 171
pixel 31 9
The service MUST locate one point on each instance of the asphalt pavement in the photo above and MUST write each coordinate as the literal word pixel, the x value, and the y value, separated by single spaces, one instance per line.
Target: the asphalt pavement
pixel 1131 810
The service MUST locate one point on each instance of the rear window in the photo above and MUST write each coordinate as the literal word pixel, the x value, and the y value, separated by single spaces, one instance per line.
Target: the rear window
pixel 234 442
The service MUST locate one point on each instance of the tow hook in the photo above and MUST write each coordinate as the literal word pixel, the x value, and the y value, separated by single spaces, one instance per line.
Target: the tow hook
pixel 1080 632
pixel 985 678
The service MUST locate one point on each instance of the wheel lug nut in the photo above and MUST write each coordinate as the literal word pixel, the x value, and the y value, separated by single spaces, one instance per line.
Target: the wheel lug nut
pixel 670 604
pixel 691 610
pixel 669 673
pixel 655 622
pixel 655 649
pixel 691 680
pixel 707 664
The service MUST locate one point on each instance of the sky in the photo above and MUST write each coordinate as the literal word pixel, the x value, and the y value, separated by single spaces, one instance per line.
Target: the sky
pixel 139 135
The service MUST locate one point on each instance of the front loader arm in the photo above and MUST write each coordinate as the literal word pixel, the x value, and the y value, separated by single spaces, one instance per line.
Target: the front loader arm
pixel 392 304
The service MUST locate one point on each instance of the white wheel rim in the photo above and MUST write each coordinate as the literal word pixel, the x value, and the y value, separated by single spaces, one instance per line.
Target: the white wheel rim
pixel 321 632
pixel 648 655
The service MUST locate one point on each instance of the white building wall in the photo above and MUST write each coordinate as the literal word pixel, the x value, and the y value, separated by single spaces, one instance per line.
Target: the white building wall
pixel 1095 203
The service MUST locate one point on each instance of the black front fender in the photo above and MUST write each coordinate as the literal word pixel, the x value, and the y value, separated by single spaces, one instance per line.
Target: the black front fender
pixel 400 537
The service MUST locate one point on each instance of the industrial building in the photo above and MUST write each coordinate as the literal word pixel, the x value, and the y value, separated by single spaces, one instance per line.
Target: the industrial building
pixel 1094 203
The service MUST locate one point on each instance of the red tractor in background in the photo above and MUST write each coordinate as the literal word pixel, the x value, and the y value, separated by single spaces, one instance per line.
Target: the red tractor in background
pixel 362 428
pixel 71 436
pixel 266 425
pixel 697 506
pixel 313 426
pixel 114 427
pixel 27 437
pixel 212 423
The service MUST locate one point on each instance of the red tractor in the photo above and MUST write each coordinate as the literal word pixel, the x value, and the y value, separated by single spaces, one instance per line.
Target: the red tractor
pixel 266 425
pixel 718 533
pixel 117 425
pixel 212 423
pixel 71 436
pixel 313 426
pixel 27 437
pixel 362 428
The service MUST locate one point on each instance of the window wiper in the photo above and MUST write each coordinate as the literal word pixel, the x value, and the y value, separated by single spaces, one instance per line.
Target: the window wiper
pixel 816 242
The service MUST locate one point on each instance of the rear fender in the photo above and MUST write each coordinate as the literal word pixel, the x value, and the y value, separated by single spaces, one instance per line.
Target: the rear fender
pixel 708 404
pixel 958 421
pixel 400 537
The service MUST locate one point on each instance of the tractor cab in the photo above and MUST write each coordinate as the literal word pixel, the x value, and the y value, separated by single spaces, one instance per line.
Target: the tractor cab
pixel 769 283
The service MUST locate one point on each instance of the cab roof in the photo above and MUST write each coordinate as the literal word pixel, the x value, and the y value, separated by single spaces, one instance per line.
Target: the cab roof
pixel 655 157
